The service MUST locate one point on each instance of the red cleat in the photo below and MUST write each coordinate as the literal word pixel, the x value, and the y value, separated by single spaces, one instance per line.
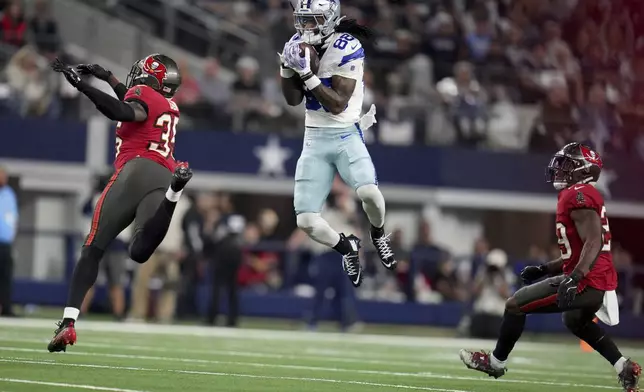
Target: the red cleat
pixel 63 336
pixel 630 376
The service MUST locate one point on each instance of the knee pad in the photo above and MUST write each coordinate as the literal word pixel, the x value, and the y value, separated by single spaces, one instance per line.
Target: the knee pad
pixel 308 220
pixel 91 253
pixel 512 307
pixel 573 321
pixel 368 193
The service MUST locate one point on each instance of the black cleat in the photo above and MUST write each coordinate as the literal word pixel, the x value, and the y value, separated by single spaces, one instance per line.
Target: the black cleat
pixel 382 243
pixel 63 336
pixel 630 376
pixel 351 261
pixel 481 361
pixel 182 174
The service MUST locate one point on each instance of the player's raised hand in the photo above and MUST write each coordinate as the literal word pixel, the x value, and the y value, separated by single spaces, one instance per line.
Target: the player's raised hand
pixel 70 74
pixel 94 69
pixel 533 272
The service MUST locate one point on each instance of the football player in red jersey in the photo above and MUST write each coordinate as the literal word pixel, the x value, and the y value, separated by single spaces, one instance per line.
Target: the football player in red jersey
pixel 147 182
pixel 579 278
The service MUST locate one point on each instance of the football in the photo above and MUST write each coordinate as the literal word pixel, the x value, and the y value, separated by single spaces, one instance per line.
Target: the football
pixel 315 59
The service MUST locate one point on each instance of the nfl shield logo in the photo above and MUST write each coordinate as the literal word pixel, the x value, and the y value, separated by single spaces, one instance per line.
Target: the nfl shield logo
pixel 353 67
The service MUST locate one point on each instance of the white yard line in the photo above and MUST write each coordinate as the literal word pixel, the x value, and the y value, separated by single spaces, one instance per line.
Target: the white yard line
pixel 300 367
pixel 65 385
pixel 237 375
pixel 443 362
pixel 271 335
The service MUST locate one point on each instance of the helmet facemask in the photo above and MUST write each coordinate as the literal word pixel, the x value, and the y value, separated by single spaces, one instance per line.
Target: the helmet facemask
pixel 565 170
pixel 560 171
pixel 315 22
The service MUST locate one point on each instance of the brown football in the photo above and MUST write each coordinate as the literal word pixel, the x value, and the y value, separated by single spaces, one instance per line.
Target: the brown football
pixel 315 59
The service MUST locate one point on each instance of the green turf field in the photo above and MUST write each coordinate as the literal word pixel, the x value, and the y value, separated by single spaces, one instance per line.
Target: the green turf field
pixel 139 357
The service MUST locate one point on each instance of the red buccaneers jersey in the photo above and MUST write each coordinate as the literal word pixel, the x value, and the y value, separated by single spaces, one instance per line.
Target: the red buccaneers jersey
pixel 602 275
pixel 153 138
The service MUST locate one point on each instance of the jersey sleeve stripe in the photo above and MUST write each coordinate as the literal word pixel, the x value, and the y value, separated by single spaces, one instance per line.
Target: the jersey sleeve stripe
pixel 357 55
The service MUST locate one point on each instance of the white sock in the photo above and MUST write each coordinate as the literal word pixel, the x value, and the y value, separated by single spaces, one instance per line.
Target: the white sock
pixel 318 229
pixel 172 195
pixel 619 365
pixel 373 204
pixel 497 364
pixel 71 313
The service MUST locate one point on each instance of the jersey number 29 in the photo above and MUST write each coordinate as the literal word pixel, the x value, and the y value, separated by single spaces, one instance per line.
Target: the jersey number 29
pixel 564 243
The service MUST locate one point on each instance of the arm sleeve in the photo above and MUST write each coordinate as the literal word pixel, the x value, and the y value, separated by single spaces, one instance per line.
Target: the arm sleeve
pixel 120 90
pixel 111 107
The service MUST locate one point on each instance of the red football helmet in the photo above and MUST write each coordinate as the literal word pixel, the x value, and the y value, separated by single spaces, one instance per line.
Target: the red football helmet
pixel 574 164
pixel 157 71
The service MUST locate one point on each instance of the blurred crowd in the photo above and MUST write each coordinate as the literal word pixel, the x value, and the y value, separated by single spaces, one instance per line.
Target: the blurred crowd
pixel 500 74
pixel 28 43
pixel 505 74
pixel 227 244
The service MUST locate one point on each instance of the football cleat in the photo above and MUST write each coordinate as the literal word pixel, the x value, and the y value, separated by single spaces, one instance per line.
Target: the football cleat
pixel 63 336
pixel 182 174
pixel 382 244
pixel 351 261
pixel 481 361
pixel 629 377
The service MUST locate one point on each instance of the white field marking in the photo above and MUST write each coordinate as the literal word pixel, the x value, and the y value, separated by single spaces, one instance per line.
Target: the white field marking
pixel 546 370
pixel 65 385
pixel 294 367
pixel 272 335
pixel 239 375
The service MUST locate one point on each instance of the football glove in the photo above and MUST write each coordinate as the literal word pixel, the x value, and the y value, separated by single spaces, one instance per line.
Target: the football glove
pixel 301 65
pixel 68 72
pixel 567 290
pixel 533 272
pixel 94 69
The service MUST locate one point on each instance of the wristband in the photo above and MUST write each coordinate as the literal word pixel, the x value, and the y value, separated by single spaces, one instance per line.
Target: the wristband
pixel 312 82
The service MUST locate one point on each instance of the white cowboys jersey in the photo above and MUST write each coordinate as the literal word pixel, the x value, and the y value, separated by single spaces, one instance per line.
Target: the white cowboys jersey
pixel 344 57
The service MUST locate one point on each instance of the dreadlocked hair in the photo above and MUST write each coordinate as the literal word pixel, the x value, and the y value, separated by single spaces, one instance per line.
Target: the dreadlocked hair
pixel 351 26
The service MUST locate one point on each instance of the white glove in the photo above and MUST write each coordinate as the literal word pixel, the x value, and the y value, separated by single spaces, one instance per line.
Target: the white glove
pixel 289 48
pixel 368 119
pixel 301 65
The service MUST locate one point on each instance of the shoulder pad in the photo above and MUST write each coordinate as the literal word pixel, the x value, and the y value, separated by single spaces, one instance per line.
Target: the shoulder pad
pixel 141 92
pixel 345 48
pixel 582 196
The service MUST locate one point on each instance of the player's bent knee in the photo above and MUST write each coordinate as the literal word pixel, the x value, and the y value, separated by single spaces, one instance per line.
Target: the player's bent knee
pixel 91 253
pixel 138 251
pixel 369 193
pixel 511 306
pixel 307 221
pixel 572 321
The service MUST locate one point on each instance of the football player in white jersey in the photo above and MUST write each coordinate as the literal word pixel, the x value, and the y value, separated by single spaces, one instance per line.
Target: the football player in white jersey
pixel 333 139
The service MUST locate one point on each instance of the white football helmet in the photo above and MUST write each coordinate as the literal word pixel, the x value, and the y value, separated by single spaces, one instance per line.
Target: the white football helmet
pixel 316 19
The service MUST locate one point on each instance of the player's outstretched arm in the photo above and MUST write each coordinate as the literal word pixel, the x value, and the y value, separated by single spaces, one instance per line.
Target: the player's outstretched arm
pixel 335 98
pixel 105 75
pixel 113 108
pixel 589 227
